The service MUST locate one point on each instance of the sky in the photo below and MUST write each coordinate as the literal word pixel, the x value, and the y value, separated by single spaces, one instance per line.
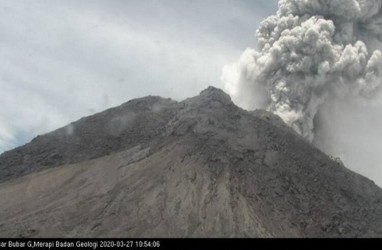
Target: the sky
pixel 65 59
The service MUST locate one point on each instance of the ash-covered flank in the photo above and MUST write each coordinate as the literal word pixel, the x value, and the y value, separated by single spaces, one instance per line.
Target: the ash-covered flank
pixel 202 167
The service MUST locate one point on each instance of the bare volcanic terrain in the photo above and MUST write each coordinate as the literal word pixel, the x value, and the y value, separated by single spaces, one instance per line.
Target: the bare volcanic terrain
pixel 203 167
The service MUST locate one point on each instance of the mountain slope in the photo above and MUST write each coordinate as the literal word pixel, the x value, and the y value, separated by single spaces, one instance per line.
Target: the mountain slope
pixel 198 168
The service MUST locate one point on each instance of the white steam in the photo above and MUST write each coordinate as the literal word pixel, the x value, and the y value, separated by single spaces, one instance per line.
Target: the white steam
pixel 309 53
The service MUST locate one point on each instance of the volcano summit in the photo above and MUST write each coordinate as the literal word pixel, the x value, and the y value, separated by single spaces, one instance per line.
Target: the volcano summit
pixel 203 167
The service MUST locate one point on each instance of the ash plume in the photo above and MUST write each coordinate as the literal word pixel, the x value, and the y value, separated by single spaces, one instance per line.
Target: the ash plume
pixel 309 52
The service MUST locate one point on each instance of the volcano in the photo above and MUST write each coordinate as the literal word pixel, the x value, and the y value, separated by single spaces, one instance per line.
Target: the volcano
pixel 202 167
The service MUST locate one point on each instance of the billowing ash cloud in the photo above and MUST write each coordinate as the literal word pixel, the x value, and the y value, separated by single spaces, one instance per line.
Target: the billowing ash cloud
pixel 308 52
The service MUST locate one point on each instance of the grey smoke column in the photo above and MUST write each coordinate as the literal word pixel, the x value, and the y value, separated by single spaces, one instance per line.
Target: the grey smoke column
pixel 308 52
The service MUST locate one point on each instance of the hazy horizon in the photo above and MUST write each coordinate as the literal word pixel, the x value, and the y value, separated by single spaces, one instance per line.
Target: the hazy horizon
pixel 63 60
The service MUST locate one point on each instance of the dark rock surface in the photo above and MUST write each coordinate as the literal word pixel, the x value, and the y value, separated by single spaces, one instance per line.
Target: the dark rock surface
pixel 140 121
pixel 198 168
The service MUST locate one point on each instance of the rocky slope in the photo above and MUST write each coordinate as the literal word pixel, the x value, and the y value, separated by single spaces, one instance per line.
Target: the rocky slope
pixel 203 167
